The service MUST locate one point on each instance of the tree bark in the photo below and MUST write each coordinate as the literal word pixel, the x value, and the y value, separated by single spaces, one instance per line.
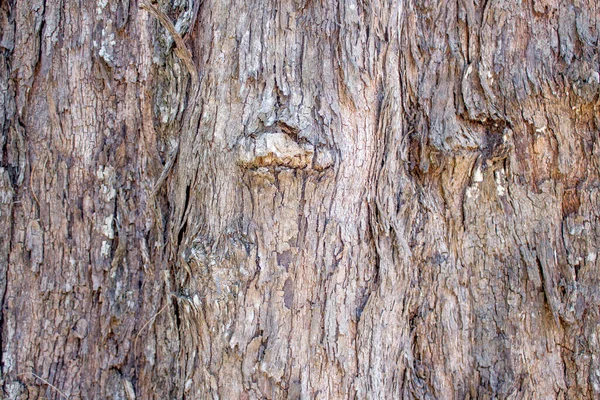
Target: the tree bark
pixel 300 199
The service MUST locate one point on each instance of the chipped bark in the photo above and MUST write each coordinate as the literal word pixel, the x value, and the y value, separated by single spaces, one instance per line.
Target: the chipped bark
pixel 299 199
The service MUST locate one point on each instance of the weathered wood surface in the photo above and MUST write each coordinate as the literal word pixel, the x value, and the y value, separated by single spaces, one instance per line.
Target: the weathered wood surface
pixel 300 199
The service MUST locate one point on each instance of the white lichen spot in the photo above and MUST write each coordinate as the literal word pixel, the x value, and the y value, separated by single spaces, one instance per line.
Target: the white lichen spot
pixel 501 190
pixel 105 249
pixel 499 180
pixel 107 175
pixel 109 193
pixel 478 175
pixel 105 54
pixel 591 257
pixel 107 46
pixel 107 228
pixel 100 6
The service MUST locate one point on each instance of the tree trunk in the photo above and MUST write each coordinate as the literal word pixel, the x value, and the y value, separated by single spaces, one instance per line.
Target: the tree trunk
pixel 300 199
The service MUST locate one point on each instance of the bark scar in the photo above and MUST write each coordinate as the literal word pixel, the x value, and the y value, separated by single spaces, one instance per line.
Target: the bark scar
pixel 278 149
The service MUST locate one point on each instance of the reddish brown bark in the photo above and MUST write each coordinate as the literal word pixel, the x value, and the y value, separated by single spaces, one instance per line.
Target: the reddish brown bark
pixel 299 199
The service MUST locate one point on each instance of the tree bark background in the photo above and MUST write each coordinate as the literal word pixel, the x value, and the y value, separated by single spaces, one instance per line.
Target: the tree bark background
pixel 300 199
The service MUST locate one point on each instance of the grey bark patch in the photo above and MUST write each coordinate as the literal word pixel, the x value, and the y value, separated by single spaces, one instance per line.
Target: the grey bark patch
pixel 35 244
pixel 288 293
pixel 285 259
pixel 80 330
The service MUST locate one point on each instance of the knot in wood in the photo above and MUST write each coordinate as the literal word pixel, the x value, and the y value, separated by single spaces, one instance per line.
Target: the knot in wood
pixel 274 149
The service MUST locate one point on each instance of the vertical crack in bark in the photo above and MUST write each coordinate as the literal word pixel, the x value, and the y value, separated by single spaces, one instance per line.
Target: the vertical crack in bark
pixel 183 222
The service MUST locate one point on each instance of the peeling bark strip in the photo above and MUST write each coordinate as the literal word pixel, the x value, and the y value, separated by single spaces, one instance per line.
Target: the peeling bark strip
pixel 182 51
pixel 299 199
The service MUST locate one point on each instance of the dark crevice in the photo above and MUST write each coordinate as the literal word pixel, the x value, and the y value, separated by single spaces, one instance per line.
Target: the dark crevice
pixel 3 303
pixel 181 234
pixel 363 303
pixel 187 200
pixel 374 216
pixel 183 223
pixel 177 315
pixel 40 33
pixel 546 288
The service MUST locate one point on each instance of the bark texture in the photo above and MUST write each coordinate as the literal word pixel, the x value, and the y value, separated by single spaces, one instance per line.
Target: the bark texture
pixel 300 199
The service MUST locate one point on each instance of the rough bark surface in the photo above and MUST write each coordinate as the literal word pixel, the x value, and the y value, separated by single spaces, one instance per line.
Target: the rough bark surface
pixel 300 199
